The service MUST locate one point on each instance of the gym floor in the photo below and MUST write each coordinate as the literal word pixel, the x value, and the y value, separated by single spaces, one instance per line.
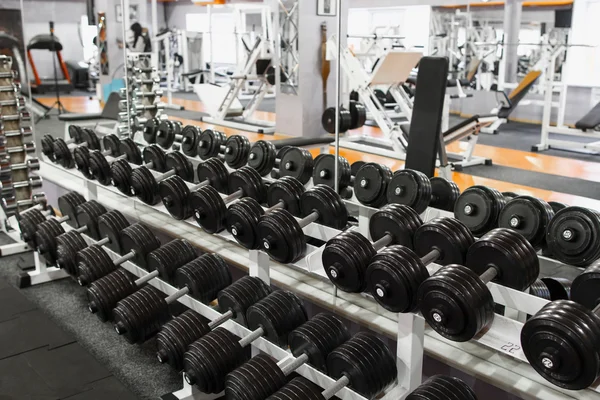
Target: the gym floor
pixel 59 351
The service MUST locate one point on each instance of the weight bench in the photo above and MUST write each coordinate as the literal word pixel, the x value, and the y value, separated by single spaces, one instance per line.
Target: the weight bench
pixel 507 104
pixel 104 122
pixel 590 120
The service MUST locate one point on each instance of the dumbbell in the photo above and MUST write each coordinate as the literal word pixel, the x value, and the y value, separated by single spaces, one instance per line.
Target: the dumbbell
pixel 417 190
pixel 12 206
pixel 108 227
pixel 561 340
pixel 210 209
pixel 572 236
pixel 364 364
pixel 48 232
pixel 121 170
pixel 19 171
pixel 310 344
pixel 456 302
pixel 150 129
pixel 479 208
pixel 82 155
pixel 62 152
pixel 140 94
pixel 104 293
pixel 371 183
pixel 440 387
pixel 27 148
pixel 324 173
pixel 176 335
pixel 169 132
pixel 144 185
pixel 346 257
pixel 244 215
pixel 281 233
pixel 529 216
pixel 136 241
pixel 328 120
pixel 100 167
pixel 175 193
pixel 10 187
pixel 210 358
pixel 138 108
pixel 143 81
pixel 201 278
pixel 296 162
pixel 395 274
pixel 234 149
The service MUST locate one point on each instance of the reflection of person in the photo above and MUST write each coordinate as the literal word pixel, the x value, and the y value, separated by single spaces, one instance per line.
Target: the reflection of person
pixel 138 42
pixel 327 6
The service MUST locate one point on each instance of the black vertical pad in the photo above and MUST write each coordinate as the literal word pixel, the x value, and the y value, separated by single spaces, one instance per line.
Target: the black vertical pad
pixel 426 121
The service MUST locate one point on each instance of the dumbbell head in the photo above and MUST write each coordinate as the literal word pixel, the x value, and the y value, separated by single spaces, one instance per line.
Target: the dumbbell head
pixel 561 344
pixel 440 387
pixel 395 274
pixel 239 296
pixel 145 186
pixel 166 132
pixel 45 239
pixel 81 158
pixel 28 223
pixel 169 257
pixel 88 214
pixel 366 361
pixel 237 150
pixel 243 216
pixel 444 194
pixel 103 294
pixel 324 171
pixel 209 143
pixel 92 264
pixel 150 130
pixel 210 209
pixel 298 388
pixel 371 183
pixel 411 188
pixel 176 335
pixel 399 221
pixel 204 277
pixel 456 302
pixel 48 146
pixel 479 208
pixel 137 324
pixel 190 136
pixel 573 236
pixel 175 192
pixel 529 216
pixel 110 225
pixel 100 167
pixel 296 162
pixel 262 157
pixel 141 240
pixel 68 204
pixel 68 245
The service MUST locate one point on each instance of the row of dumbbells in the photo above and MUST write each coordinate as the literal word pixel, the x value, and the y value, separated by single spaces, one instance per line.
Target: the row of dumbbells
pixel 212 358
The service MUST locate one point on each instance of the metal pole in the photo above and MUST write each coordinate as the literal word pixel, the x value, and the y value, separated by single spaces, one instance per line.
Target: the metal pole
pixel 338 83
pixel 125 11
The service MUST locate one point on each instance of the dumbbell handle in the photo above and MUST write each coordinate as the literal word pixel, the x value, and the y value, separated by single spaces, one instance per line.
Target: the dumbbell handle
pixel 488 275
pixel 238 194
pixel 310 218
pixel 146 278
pixel 125 257
pixel 336 387
pixel 294 365
pixel 222 149
pixel 255 334
pixel 177 295
pixel 383 242
pixel 279 204
pixel 166 175
pixel 220 320
pixel 199 185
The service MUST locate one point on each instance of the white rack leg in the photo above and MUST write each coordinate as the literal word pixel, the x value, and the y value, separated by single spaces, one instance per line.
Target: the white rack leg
pixel 259 265
pixel 41 274
pixel 91 188
pixel 410 349
pixel 14 248
pixel 189 392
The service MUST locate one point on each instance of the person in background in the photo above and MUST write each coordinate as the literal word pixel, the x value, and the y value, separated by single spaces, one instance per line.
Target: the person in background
pixel 138 41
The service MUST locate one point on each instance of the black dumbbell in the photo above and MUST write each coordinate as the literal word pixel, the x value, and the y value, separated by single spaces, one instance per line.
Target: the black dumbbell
pixel 210 209
pixel 48 233
pixel 234 149
pixel 529 216
pixel 62 151
pixel 144 185
pixel 18 171
pixel 104 293
pixel 108 226
pixel 27 148
pixel 310 344
pixel 137 241
pixel 281 233
pixel 100 167
pixel 211 143
pixel 175 193
pixel 395 274
pixel 263 156
pixel 364 363
pixel 561 340
pixel 324 173
pixel 168 132
pixel 416 190
pixel 150 129
pixel 201 278
pixel 371 184
pixel 346 257
pixel 121 170
pixel 76 134
pixel 20 189
pixel 244 215
pixel 328 120
pixel 479 208
pixel 440 387
pixel 81 155
pixel 456 302
pixel 274 318
pixel 572 236
pixel 296 162
pixel 176 335
pixel 190 139
pixel 12 206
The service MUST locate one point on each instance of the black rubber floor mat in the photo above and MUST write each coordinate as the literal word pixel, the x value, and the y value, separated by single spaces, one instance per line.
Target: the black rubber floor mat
pixel 68 370
pixel 29 331
pixel 20 381
pixel 13 302
pixel 108 388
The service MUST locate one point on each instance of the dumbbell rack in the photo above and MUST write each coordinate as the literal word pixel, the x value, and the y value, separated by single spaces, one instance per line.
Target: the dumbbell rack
pixel 16 142
pixel 142 89
pixel 503 336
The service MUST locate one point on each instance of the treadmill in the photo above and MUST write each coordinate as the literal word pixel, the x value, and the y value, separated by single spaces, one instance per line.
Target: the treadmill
pixel 52 44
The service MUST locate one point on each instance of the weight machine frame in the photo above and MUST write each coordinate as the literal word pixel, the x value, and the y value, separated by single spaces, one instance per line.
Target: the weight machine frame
pixel 503 336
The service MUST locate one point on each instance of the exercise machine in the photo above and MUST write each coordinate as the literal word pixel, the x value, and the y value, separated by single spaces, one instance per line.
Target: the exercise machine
pixel 50 43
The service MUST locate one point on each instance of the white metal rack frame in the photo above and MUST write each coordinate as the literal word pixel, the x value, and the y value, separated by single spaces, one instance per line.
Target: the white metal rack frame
pixel 494 356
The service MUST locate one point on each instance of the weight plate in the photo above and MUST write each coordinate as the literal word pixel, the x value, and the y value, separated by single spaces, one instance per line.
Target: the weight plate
pixel 324 171
pixel 62 154
pixel 237 149
pixel 174 338
pixel 328 120
pixel 411 188
pixel 67 204
pixel 439 387
pixel 141 240
pixel 182 166
pixel 242 222
pixel 250 182
pixel 208 209
pixel 529 216
pixel 209 144
pixel 398 220
pixel 144 186
pixel 584 289
pixel 444 194
pixel 190 136
pixel 298 163
pixel 214 171
pixel 155 155
pixel 371 183
pixel 204 277
pixel 131 150
pixel 287 190
pixel 556 206
pixel 120 173
pixel 358 114
pixel 479 207
pixel 112 144
pixel 165 134
pixel 90 137
pixel 99 168
pixel 356 165
pixel 48 146
pixel 110 225
pixel 262 157
pixel 88 214
pixel 327 203
pixel 149 131
pixel 75 133
pixel 81 157
pixel 573 236
pixel 282 237
pixel 447 235
pixel 239 296
pixel 174 194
